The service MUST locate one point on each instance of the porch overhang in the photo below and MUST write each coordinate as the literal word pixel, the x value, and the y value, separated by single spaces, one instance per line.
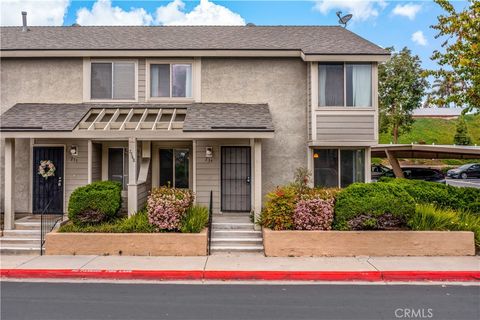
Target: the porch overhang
pixel 140 121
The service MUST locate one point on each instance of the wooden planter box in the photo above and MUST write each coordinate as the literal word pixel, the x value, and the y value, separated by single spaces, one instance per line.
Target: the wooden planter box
pixel 367 243
pixel 127 244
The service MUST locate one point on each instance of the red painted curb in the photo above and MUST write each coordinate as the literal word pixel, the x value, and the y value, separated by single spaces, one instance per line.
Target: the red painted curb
pixel 103 274
pixel 369 276
pixel 294 275
pixel 431 275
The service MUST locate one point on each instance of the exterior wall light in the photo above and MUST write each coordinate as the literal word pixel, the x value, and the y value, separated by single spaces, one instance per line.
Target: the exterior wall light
pixel 74 150
pixel 315 155
pixel 209 153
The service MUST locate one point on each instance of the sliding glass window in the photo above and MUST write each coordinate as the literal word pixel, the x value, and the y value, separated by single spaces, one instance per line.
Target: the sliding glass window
pixel 174 168
pixel 118 166
pixel 171 80
pixel 338 167
pixel 344 85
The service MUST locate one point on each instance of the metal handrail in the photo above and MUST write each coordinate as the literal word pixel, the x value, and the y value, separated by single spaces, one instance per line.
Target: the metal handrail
pixel 210 213
pixel 47 223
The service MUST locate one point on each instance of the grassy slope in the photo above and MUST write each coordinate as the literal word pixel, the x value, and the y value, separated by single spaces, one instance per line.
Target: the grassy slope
pixel 438 131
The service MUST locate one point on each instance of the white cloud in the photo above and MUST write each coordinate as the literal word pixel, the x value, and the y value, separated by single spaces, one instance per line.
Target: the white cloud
pixel 205 13
pixel 361 9
pixel 419 38
pixel 102 13
pixel 39 13
pixel 408 10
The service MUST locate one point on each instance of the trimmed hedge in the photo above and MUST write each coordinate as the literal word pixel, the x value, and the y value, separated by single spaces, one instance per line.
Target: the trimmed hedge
pixel 138 223
pixel 441 195
pixel 373 200
pixel 102 198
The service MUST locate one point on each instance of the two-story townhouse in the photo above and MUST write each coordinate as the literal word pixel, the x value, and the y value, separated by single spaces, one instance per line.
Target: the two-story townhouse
pixel 233 110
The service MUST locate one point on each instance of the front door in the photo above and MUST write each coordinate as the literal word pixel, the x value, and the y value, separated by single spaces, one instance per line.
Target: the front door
pixel 235 178
pixel 48 170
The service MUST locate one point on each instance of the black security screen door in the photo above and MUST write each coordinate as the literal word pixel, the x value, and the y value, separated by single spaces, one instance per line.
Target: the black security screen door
pixel 50 188
pixel 236 186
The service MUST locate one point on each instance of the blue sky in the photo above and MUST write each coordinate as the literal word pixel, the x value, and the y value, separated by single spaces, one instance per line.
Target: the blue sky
pixel 386 23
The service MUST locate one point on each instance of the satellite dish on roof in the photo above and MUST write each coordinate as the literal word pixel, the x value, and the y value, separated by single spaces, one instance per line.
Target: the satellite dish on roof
pixel 344 20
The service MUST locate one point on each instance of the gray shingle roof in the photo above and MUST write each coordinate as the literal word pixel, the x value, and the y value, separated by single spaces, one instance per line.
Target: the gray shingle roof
pixel 228 117
pixel 201 117
pixel 42 117
pixel 309 39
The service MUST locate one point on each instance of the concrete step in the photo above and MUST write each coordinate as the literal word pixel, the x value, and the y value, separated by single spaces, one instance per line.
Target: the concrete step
pixel 19 249
pixel 232 226
pixel 27 225
pixel 5 241
pixel 22 233
pixel 232 233
pixel 218 248
pixel 231 218
pixel 237 241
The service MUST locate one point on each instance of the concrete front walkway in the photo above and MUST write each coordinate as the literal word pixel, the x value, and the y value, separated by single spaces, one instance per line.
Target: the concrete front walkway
pixel 242 262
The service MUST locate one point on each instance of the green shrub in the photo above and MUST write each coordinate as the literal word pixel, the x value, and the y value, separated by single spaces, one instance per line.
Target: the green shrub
pixel 430 217
pixel 278 211
pixel 99 201
pixel 320 193
pixel 441 195
pixel 195 220
pixel 137 223
pixel 373 200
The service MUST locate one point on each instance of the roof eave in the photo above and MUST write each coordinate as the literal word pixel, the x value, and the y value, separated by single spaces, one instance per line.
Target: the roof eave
pixel 30 53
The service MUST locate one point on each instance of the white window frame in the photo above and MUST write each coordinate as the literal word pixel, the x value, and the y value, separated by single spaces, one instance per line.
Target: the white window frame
pixel 173 167
pixel 196 65
pixel 317 83
pixel 367 161
pixel 87 81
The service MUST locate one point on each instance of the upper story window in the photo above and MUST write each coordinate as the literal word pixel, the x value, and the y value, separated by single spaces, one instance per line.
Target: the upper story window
pixel 112 80
pixel 171 80
pixel 345 85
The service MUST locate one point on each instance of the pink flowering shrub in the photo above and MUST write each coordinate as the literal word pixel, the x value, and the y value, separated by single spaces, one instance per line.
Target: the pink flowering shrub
pixel 166 207
pixel 313 214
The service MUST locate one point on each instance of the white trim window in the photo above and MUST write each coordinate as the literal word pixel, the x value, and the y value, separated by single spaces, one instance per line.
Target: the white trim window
pixel 113 80
pixel 345 85
pixel 338 167
pixel 171 80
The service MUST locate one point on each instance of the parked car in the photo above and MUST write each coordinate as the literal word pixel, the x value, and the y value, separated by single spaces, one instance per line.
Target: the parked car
pixel 471 170
pixel 425 174
pixel 378 170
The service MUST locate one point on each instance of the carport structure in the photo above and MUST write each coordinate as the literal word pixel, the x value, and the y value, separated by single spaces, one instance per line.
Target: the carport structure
pixel 422 151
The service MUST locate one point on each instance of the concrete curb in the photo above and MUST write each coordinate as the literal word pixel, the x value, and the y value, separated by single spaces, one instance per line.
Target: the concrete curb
pixel 369 276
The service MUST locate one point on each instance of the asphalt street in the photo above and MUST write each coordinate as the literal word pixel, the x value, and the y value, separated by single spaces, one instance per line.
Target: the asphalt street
pixel 473 183
pixel 36 300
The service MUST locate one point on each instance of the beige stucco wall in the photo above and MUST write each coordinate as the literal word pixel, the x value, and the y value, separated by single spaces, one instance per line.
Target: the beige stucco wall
pixel 302 243
pixel 40 81
pixel 282 83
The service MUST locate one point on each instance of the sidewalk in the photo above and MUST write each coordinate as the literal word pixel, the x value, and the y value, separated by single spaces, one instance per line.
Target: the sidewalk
pixel 244 267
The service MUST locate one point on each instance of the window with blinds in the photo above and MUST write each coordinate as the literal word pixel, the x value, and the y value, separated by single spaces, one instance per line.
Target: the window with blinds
pixel 112 81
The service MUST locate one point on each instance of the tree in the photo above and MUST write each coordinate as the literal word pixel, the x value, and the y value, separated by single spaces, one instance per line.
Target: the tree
pixel 401 89
pixel 460 59
pixel 442 88
pixel 461 136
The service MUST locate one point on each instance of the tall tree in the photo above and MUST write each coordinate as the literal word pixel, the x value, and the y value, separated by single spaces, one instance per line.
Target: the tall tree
pixel 461 136
pixel 442 89
pixel 401 89
pixel 460 57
